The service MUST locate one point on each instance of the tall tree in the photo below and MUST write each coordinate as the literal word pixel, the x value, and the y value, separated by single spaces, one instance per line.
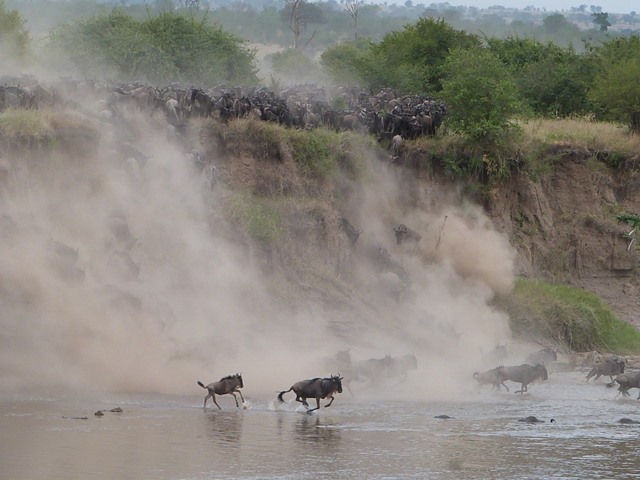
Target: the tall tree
pixel 14 37
pixel 481 94
pixel 602 20
pixel 293 9
pixel 353 9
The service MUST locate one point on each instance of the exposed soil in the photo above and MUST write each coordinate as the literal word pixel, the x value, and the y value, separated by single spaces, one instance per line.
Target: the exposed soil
pixel 562 224
pixel 565 229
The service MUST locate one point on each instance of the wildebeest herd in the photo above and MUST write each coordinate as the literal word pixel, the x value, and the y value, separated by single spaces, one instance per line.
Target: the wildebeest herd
pixel 609 365
pixel 378 372
pixel 384 114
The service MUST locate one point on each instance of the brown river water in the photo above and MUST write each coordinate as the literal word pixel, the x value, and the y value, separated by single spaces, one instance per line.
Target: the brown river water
pixel 173 437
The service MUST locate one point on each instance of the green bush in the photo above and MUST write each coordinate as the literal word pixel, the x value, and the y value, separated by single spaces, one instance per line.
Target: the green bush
pixel 569 316
pixel 162 49
pixel 295 66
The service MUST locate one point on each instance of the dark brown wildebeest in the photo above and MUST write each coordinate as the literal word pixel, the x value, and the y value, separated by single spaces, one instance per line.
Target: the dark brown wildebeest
pixel 608 365
pixel 491 377
pixel 523 374
pixel 404 233
pixel 349 230
pixel 627 381
pixel 315 388
pixel 227 385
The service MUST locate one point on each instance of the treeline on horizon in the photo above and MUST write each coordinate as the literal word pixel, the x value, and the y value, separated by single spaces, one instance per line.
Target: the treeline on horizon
pixel 486 81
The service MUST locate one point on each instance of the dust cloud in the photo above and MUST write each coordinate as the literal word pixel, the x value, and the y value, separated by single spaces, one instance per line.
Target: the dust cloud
pixel 121 272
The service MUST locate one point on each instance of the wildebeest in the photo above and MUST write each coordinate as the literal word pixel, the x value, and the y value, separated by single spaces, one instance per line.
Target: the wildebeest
pixel 523 374
pixel 396 143
pixel 315 388
pixel 404 233
pixel 230 384
pixel 376 369
pixel 610 365
pixel 491 377
pixel 544 356
pixel 349 230
pixel 627 381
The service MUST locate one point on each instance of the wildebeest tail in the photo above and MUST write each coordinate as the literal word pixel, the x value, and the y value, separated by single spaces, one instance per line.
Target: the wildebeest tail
pixel 201 384
pixel 282 393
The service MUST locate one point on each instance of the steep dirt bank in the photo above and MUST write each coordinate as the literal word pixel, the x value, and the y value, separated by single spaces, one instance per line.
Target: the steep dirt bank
pixel 564 225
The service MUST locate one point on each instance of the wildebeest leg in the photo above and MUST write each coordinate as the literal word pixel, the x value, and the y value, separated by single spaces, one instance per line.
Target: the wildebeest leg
pixel 235 398
pixel 213 397
pixel 302 400
pixel 205 400
pixel 317 407
pixel 523 388
pixel 328 404
pixel 240 393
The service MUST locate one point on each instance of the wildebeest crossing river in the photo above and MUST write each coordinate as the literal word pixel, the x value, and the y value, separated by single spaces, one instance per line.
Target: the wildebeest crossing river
pixel 367 436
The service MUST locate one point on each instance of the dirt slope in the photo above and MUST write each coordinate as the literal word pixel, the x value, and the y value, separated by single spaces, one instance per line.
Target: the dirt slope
pixel 565 229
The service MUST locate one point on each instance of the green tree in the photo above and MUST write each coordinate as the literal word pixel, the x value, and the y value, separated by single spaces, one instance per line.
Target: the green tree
pixel 347 64
pixel 409 60
pixel 481 95
pixel 161 49
pixel 14 37
pixel 295 66
pixel 617 92
pixel 553 80
pixel 601 19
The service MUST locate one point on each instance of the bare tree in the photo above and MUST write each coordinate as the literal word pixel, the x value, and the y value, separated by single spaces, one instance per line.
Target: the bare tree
pixel 353 8
pixel 294 8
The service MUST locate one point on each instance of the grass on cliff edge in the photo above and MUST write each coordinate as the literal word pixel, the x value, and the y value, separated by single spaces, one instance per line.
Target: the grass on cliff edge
pixel 569 316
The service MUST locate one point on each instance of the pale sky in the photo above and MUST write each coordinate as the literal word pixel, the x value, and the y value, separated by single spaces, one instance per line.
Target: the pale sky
pixel 610 6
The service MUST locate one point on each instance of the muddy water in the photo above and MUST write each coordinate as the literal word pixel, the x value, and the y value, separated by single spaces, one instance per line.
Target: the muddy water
pixel 171 437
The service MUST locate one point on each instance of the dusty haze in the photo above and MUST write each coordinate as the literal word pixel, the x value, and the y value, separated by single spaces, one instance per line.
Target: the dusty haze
pixel 119 275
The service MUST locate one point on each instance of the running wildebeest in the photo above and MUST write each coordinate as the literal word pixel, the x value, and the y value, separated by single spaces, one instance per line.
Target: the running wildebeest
pixel 608 365
pixel 315 388
pixel 230 384
pixel 376 369
pixel 491 377
pixel 523 374
pixel 626 381
pixel 400 366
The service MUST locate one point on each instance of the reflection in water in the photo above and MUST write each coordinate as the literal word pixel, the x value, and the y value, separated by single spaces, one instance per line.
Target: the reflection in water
pixel 224 427
pixel 311 431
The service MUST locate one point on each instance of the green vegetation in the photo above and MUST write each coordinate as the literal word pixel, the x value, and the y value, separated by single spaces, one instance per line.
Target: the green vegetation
pixel 161 49
pixel 295 66
pixel 14 37
pixel 569 316
pixel 482 96
pixel 257 217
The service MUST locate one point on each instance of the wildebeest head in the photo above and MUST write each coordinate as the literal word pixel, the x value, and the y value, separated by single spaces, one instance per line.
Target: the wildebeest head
pixel 337 382
pixel 239 377
pixel 541 371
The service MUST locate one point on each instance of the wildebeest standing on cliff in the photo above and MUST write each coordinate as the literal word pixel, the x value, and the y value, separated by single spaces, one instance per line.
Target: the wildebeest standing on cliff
pixel 315 388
